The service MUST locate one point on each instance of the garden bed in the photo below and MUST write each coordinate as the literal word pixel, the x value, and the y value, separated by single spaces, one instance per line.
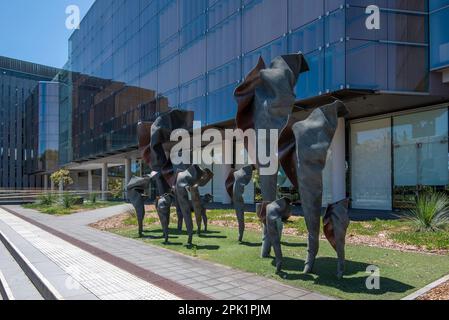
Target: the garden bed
pixel 59 210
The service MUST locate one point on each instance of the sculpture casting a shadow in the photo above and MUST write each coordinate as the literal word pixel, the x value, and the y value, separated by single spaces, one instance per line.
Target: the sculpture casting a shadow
pixel 272 215
pixel 172 182
pixel 136 189
pixel 235 186
pixel 190 180
pixel 303 151
pixel 265 101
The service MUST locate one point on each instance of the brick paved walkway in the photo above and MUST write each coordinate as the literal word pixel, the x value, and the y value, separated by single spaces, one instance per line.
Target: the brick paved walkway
pixel 169 270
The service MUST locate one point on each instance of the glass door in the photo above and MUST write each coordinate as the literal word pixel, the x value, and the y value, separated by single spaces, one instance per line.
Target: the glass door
pixel 371 165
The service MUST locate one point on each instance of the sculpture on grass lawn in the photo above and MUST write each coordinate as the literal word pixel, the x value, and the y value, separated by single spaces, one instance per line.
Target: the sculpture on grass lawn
pixel 272 215
pixel 199 204
pixel 305 144
pixel 186 181
pixel 235 186
pixel 335 226
pixel 155 146
pixel 265 101
pixel 136 193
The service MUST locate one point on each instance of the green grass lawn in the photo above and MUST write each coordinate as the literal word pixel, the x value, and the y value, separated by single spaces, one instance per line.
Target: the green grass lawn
pixel 59 210
pixel 401 273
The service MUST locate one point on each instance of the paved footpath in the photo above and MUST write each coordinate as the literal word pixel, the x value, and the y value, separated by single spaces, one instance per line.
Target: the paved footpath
pixel 152 272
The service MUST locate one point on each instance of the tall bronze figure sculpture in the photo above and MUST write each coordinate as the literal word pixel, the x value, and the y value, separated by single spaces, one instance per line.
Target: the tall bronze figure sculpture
pixel 265 100
pixel 305 144
pixel 235 186
pixel 155 146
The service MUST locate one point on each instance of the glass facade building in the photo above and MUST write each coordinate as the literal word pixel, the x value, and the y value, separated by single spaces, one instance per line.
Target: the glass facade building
pixel 21 96
pixel 131 60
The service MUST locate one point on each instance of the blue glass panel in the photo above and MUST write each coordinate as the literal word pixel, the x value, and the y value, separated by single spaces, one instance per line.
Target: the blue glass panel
pixel 168 21
pixel 439 39
pixel 263 21
pixel 311 83
pixel 224 42
pixel 198 106
pixel 438 4
pixel 268 52
pixel 301 12
pixel 168 77
pixel 169 47
pixel 308 38
pixel 335 26
pixel 366 65
pixel 193 89
pixel 221 9
pixel 335 67
pixel 408 68
pixel 190 10
pixel 228 74
pixel 221 105
pixel 193 30
pixel 193 60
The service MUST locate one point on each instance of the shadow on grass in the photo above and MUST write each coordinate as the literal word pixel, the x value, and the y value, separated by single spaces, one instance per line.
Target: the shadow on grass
pixel 325 275
pixel 251 244
pixel 207 236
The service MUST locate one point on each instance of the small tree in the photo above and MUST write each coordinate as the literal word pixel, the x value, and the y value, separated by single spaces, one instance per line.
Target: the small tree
pixel 61 177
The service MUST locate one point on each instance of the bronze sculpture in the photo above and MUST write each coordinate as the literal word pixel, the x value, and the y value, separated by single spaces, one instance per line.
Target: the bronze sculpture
pixel 335 226
pixel 235 186
pixel 193 177
pixel 306 143
pixel 136 194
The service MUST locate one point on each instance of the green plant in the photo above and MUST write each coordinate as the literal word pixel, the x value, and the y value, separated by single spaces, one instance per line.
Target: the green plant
pixel 431 211
pixel 67 200
pixel 61 176
pixel 93 197
pixel 115 187
pixel 47 199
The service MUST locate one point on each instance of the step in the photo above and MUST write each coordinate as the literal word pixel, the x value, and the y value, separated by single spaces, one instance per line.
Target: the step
pixel 47 278
pixel 14 283
pixel 58 260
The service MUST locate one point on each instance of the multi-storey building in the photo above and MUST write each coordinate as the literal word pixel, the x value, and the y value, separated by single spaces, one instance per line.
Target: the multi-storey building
pixel 28 124
pixel 132 59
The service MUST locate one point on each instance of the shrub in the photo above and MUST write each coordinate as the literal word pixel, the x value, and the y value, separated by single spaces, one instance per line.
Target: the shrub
pixel 431 211
pixel 68 200
pixel 47 199
pixel 93 197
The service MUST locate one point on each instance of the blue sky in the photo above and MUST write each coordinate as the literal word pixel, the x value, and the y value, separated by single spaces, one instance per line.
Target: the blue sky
pixel 35 31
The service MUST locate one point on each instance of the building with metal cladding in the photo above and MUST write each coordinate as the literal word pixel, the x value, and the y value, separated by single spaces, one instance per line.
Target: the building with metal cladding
pixel 28 123
pixel 132 59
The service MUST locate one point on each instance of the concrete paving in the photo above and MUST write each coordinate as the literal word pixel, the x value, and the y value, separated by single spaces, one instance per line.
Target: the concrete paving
pixel 208 279
pixel 75 273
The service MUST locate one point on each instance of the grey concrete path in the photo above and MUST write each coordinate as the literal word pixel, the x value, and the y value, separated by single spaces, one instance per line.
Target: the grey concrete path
pixel 209 279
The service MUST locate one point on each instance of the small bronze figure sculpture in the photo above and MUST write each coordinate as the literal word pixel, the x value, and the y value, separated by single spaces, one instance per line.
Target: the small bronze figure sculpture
pixel 136 194
pixel 163 205
pixel 199 207
pixel 335 226
pixel 235 185
pixel 192 177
